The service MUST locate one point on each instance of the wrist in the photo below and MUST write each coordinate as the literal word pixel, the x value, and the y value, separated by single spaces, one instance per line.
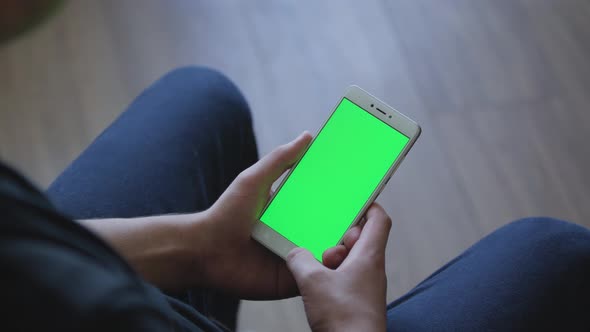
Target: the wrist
pixel 194 245
pixel 165 250
pixel 209 256
pixel 368 322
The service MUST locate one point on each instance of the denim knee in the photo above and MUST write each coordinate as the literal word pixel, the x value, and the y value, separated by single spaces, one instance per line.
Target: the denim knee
pixel 212 89
pixel 547 238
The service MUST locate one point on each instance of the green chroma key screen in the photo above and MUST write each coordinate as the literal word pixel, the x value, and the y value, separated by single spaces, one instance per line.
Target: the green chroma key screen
pixel 334 179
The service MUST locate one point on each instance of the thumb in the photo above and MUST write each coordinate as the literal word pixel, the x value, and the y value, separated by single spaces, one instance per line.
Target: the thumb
pixel 269 168
pixel 303 265
pixel 373 238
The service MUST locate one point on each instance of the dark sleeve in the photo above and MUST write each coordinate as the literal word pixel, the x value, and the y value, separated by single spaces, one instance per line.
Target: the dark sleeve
pixel 57 276
pixel 48 286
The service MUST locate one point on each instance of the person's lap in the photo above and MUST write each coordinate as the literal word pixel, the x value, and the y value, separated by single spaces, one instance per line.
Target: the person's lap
pixel 183 141
pixel 174 150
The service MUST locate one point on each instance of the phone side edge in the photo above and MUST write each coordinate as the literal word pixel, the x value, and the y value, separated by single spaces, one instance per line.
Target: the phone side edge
pixel 271 239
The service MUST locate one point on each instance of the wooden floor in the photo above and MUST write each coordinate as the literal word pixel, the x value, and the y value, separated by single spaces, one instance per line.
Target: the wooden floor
pixel 501 89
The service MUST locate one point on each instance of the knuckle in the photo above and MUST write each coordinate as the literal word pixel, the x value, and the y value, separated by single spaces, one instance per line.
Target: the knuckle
pixel 374 260
pixel 280 150
pixel 246 177
pixel 281 154
pixel 378 208
pixel 294 254
pixel 388 222
pixel 315 276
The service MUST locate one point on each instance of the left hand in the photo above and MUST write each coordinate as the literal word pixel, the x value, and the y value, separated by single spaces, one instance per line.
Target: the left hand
pixel 236 263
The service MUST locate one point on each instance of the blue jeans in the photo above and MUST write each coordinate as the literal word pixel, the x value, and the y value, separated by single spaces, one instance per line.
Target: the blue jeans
pixel 184 139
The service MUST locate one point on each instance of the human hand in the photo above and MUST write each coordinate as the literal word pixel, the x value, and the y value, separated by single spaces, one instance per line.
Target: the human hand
pixel 351 297
pixel 236 263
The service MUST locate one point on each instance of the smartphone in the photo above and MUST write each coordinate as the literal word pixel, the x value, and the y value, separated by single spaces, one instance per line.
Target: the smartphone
pixel 340 174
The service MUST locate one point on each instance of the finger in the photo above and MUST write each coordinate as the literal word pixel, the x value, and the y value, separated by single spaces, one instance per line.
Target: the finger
pixel 363 221
pixel 333 257
pixel 351 236
pixel 269 168
pixel 373 238
pixel 302 264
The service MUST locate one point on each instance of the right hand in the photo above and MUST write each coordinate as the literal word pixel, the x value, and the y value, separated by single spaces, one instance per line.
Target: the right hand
pixel 351 297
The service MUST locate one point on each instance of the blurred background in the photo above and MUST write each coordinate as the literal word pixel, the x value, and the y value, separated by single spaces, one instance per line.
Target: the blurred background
pixel 501 89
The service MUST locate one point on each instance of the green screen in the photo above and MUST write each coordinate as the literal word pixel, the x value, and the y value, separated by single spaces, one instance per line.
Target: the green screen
pixel 334 179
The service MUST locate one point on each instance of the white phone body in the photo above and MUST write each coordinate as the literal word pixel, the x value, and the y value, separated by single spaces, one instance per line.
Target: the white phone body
pixel 280 245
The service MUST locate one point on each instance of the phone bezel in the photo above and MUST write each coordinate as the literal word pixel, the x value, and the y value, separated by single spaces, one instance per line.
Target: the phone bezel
pixel 280 245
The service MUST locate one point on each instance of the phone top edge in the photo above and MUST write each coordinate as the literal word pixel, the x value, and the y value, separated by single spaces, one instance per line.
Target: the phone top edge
pixel 392 117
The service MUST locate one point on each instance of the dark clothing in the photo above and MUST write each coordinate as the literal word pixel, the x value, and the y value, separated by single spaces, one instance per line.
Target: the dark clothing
pixel 57 276
pixel 175 150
